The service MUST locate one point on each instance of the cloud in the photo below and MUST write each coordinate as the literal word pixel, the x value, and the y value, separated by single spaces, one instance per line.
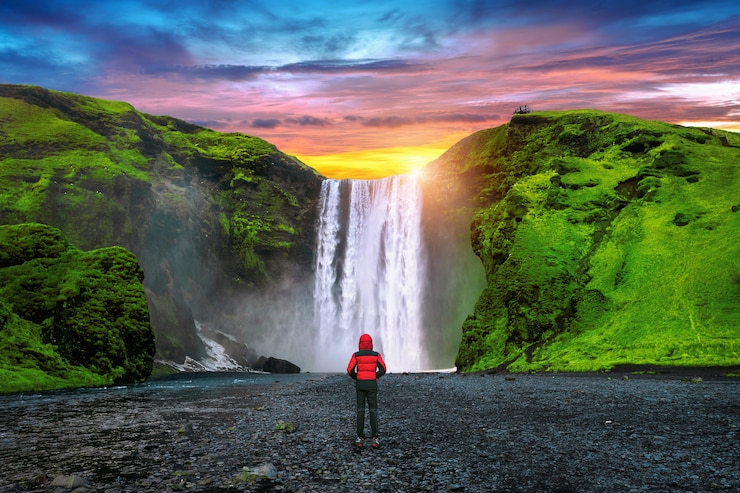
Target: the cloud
pixel 214 124
pixel 335 77
pixel 301 121
pixel 347 66
pixel 402 121
pixel 713 49
pixel 219 72
pixel 306 121
pixel 323 45
pixel 251 72
pixel 266 123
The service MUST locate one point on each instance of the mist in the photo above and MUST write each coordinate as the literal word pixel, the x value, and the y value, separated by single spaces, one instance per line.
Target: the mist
pixel 383 263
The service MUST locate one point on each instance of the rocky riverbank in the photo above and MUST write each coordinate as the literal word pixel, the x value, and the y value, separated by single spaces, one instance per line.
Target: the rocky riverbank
pixel 439 432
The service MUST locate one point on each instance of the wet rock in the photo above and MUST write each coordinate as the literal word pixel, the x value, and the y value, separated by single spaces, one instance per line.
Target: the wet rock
pixel 276 365
pixel 267 470
pixel 69 482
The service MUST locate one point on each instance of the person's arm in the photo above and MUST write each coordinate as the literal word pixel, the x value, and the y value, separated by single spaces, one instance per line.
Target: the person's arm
pixel 380 368
pixel 352 367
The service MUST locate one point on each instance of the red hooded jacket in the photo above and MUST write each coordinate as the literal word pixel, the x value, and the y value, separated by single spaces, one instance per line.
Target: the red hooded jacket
pixel 366 364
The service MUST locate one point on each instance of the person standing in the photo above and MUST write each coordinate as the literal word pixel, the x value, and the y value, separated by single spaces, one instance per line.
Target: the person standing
pixel 365 367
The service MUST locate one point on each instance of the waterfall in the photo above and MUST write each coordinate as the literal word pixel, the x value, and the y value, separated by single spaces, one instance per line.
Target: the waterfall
pixel 370 271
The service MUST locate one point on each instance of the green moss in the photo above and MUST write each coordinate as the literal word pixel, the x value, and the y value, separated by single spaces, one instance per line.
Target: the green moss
pixel 286 426
pixel 246 476
pixel 34 128
pixel 107 174
pixel 609 244
pixel 29 364
pixel 251 235
pixel 69 318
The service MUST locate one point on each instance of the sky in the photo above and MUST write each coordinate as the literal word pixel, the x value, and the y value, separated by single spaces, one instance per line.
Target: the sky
pixel 364 89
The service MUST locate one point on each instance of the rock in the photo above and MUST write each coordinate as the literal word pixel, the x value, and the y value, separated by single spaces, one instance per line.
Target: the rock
pixel 479 436
pixel 115 344
pixel 276 365
pixel 238 351
pixel 267 470
pixel 70 482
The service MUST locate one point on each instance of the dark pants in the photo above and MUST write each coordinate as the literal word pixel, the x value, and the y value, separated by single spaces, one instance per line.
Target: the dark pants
pixel 367 390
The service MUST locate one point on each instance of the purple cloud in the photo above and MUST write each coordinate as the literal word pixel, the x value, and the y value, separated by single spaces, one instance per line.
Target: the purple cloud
pixel 308 121
pixel 266 123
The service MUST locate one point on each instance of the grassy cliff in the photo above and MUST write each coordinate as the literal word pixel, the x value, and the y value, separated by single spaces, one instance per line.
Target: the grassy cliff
pixel 64 152
pixel 210 216
pixel 69 318
pixel 606 240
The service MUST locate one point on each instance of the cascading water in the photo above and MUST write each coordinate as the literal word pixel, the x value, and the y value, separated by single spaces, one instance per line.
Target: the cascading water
pixel 370 271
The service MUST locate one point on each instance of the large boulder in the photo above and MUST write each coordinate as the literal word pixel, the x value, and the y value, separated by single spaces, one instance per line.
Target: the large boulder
pixel 276 365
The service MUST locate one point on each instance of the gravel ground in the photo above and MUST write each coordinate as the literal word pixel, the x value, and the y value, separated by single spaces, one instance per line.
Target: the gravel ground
pixel 439 432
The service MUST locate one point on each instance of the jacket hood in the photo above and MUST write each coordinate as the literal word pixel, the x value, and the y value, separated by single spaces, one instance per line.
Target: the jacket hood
pixel 366 342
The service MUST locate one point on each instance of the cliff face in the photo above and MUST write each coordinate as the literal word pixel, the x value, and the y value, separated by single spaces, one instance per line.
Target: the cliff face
pixel 605 239
pixel 210 216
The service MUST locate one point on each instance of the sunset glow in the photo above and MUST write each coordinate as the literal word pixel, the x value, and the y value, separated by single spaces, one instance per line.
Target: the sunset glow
pixel 367 89
pixel 373 163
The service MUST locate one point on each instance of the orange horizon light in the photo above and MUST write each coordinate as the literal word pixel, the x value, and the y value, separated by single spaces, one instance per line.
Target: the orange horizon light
pixel 372 164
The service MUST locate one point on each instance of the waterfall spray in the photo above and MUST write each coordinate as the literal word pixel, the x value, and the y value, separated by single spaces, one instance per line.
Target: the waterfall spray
pixel 370 271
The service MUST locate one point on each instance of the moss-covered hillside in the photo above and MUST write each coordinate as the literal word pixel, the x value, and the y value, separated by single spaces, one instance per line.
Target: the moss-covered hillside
pixel 606 240
pixel 69 318
pixel 209 215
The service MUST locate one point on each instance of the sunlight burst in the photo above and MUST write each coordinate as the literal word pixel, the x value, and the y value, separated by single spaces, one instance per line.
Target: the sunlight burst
pixel 373 164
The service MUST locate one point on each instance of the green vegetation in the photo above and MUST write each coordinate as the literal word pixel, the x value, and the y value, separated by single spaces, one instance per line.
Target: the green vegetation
pixel 606 240
pixel 286 426
pixel 245 476
pixel 69 152
pixel 202 210
pixel 69 318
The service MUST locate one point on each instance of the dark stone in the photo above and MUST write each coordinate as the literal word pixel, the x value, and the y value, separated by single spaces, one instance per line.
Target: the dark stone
pixel 276 365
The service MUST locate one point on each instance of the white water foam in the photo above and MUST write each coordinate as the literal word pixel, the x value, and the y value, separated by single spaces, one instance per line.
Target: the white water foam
pixel 216 358
pixel 370 266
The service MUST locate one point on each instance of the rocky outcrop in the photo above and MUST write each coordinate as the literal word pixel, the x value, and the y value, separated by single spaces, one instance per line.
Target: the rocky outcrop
pixel 276 365
pixel 70 318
